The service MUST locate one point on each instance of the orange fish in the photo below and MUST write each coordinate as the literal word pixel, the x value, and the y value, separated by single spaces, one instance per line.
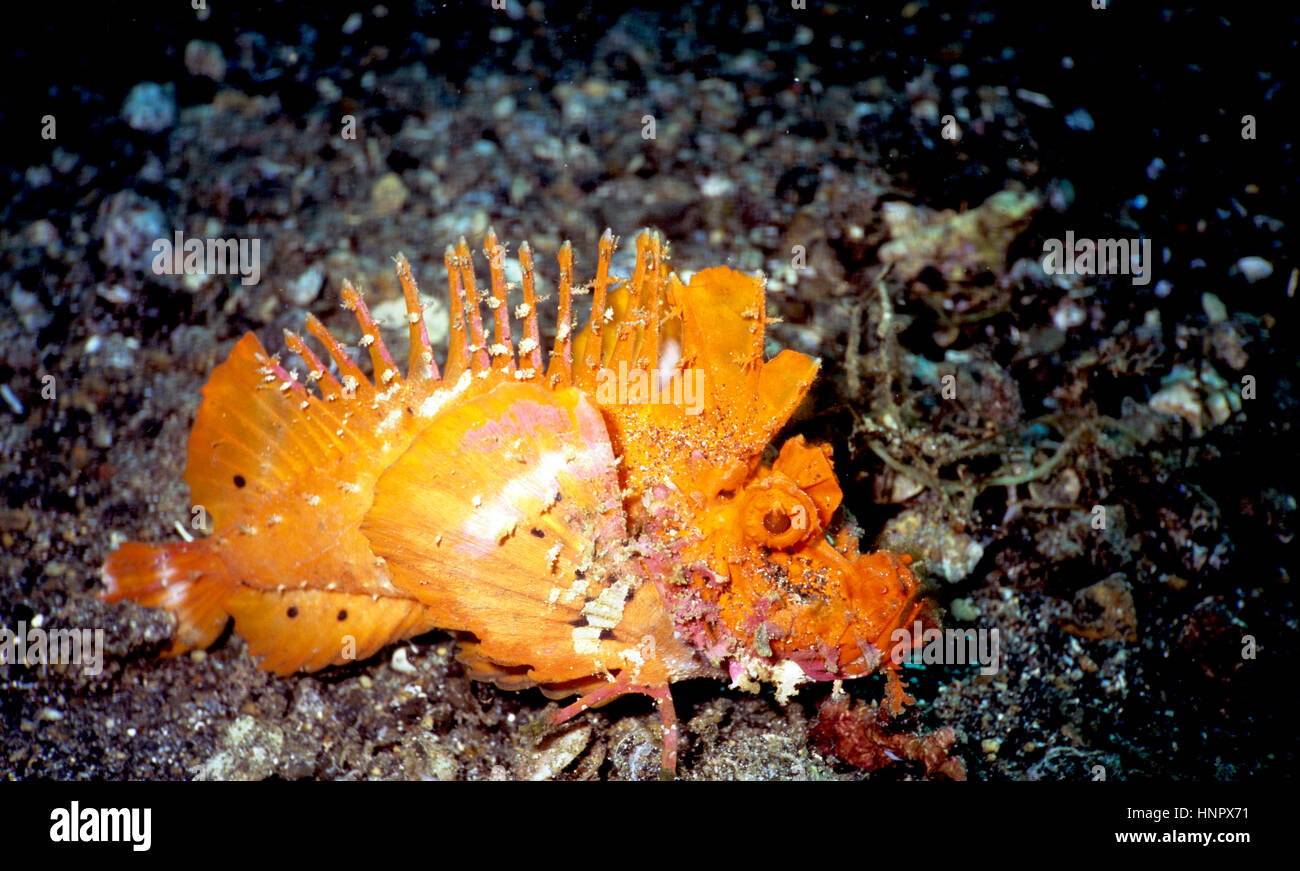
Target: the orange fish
pixel 601 525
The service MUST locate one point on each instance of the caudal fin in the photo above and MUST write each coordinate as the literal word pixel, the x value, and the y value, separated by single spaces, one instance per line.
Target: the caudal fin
pixel 184 577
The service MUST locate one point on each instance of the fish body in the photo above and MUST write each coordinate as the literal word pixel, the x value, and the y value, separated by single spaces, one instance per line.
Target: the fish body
pixel 600 525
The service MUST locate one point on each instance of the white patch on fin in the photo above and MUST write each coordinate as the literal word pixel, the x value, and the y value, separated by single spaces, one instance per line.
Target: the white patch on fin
pixel 439 398
pixel 606 610
pixel 507 506
pixel 586 640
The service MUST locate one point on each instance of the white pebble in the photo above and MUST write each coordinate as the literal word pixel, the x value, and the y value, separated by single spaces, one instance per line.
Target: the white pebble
pixel 401 663
pixel 1254 268
pixel 15 405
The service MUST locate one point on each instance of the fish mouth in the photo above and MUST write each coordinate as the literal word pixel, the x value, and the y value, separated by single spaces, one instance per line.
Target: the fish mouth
pixel 920 613
pixel 878 646
pixel 854 632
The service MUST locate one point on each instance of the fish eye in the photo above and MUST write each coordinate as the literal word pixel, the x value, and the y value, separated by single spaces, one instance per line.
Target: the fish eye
pixel 777 514
pixel 776 521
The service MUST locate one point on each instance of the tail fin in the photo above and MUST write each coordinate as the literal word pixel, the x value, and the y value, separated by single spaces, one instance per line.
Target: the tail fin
pixel 187 578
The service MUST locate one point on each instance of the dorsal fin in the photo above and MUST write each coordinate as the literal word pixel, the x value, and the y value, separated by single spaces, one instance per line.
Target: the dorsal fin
pixel 709 334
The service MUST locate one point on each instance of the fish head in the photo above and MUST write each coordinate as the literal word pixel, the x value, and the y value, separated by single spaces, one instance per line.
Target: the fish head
pixel 790 594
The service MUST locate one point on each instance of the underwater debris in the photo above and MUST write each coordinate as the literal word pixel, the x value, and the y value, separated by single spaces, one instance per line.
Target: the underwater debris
pixel 860 736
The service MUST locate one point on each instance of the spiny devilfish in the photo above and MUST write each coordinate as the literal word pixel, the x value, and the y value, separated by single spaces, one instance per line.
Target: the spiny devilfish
pixel 575 538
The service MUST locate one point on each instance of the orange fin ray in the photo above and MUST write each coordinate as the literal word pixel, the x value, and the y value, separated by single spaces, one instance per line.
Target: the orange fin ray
pixel 457 341
pixel 479 360
pixel 632 324
pixel 585 376
pixel 530 349
pixel 186 578
pixel 381 361
pixel 629 317
pixel 560 371
pixel 422 365
pixel 501 352
pixel 316 368
pixel 354 381
pixel 647 353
